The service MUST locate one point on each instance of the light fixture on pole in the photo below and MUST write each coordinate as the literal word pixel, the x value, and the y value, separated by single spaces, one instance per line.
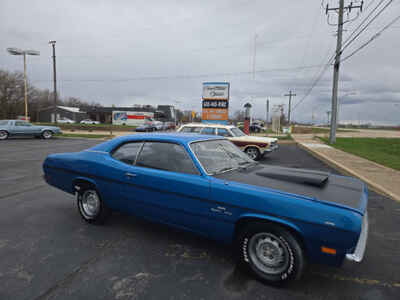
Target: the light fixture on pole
pixel 16 51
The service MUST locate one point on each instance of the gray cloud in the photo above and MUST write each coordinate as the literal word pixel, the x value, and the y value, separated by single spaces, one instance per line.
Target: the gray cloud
pixel 128 52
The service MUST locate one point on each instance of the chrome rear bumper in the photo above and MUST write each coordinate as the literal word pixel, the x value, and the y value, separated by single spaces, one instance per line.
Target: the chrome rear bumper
pixel 358 254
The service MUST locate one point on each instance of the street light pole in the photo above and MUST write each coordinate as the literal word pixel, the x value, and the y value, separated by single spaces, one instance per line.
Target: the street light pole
pixel 25 90
pixel 53 44
pixel 16 51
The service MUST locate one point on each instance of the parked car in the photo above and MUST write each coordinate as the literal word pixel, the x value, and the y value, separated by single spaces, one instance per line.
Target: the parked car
pixel 275 218
pixel 255 128
pixel 147 127
pixel 158 125
pixel 88 121
pixel 254 146
pixel 65 121
pixel 20 128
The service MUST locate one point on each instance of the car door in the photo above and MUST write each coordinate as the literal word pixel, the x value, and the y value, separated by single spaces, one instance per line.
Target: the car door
pixel 167 186
pixel 23 128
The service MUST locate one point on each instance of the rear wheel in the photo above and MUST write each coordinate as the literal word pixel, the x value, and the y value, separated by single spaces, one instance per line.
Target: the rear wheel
pixel 47 134
pixel 253 153
pixel 91 207
pixel 270 252
pixel 3 135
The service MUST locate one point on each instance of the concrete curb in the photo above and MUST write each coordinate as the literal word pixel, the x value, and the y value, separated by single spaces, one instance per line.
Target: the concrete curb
pixel 372 185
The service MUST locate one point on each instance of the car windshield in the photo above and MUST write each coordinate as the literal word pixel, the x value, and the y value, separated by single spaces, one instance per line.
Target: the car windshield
pixel 237 132
pixel 219 156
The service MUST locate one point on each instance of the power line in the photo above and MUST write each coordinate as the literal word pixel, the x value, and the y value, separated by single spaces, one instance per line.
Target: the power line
pixel 375 36
pixel 349 42
pixel 185 76
pixel 315 82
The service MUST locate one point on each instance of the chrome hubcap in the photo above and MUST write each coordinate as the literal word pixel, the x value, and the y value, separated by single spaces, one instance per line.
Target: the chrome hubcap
pixel 252 153
pixel 90 203
pixel 46 134
pixel 3 134
pixel 268 253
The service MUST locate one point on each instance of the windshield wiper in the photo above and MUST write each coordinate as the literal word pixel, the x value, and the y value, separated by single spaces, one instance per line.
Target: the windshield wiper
pixel 223 170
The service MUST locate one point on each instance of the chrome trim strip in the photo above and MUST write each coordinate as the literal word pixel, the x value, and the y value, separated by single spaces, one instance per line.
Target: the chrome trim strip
pixel 96 151
pixel 358 254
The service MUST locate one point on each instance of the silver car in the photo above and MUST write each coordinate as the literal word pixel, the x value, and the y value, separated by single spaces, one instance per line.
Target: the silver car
pixel 20 128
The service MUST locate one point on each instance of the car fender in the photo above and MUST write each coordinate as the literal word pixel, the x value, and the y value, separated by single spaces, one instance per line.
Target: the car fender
pixel 80 179
pixel 254 146
pixel 276 220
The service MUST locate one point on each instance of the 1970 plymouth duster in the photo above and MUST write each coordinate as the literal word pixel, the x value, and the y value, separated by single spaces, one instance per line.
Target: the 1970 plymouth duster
pixel 276 218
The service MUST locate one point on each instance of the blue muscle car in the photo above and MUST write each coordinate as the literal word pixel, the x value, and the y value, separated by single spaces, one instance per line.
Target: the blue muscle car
pixel 276 218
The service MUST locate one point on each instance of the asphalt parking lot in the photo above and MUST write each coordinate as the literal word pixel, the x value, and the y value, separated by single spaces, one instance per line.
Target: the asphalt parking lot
pixel 48 252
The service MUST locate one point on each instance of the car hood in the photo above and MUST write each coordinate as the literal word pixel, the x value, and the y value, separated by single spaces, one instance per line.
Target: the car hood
pixel 318 186
pixel 257 139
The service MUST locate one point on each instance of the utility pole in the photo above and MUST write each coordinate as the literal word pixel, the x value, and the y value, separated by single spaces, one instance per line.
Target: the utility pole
pixel 336 66
pixel 53 44
pixel 328 113
pixel 267 114
pixel 290 95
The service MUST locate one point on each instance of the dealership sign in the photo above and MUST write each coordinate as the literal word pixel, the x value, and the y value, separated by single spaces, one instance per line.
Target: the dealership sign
pixel 215 91
pixel 215 102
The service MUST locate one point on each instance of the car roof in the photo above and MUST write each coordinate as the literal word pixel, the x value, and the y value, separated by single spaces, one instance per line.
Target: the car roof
pixel 181 138
pixel 208 125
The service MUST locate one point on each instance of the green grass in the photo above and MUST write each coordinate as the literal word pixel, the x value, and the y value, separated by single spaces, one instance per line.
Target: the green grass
pixel 82 135
pixel 384 151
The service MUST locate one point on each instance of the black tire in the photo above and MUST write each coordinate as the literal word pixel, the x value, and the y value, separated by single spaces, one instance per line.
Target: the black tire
pixel 99 215
pixel 253 153
pixel 47 134
pixel 3 135
pixel 282 258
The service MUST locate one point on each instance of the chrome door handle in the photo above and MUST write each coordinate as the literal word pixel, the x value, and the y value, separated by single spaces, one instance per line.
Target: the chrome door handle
pixel 130 174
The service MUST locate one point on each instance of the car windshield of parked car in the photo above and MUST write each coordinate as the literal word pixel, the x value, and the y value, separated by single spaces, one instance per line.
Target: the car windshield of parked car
pixel 237 132
pixel 167 157
pixel 220 156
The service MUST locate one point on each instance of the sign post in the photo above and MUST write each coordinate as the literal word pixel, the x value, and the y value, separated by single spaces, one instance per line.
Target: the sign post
pixel 215 102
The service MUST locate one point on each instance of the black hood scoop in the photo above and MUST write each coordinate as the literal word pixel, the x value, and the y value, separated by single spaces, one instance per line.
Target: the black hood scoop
pixel 301 176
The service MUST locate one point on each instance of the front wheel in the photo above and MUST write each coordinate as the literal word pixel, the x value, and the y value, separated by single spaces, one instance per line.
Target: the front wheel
pixel 47 134
pixel 91 207
pixel 270 252
pixel 253 153
pixel 3 135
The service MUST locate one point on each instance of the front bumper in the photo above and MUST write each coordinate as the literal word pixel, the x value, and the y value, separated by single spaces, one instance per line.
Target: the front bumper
pixel 271 149
pixel 358 254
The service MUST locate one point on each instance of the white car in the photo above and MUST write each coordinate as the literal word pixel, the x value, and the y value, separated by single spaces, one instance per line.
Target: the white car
pixel 254 146
pixel 88 121
pixel 65 121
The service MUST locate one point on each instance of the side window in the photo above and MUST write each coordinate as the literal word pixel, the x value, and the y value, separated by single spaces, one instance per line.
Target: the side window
pixel 208 130
pixel 187 129
pixel 20 123
pixel 167 157
pixel 196 129
pixel 224 132
pixel 127 152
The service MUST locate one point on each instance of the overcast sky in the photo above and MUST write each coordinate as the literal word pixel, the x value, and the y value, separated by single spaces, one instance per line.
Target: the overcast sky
pixel 127 52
